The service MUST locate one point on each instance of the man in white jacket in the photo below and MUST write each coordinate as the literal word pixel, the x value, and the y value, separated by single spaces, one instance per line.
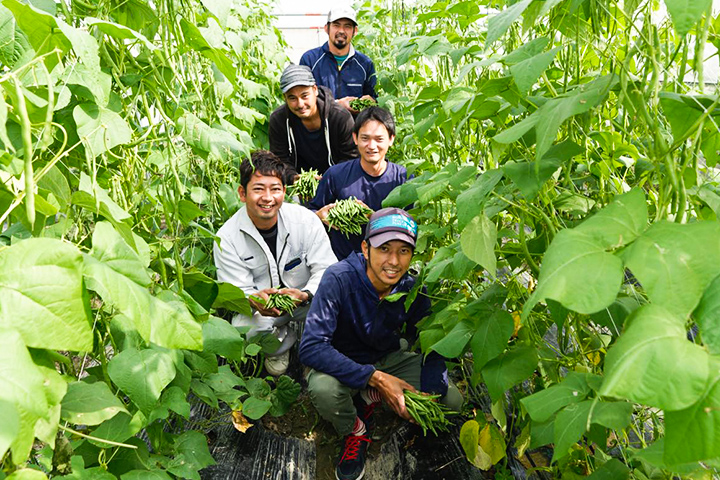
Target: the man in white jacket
pixel 269 247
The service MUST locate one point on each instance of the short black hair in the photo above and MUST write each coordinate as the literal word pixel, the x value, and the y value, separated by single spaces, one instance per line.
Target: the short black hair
pixel 379 115
pixel 263 162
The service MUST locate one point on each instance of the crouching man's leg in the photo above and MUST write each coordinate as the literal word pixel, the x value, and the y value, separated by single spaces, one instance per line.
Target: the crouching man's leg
pixel 334 403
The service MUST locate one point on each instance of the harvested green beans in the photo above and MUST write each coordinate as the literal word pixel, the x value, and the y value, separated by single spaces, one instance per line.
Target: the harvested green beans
pixel 361 104
pixel 306 185
pixel 281 301
pixel 348 216
pixel 427 412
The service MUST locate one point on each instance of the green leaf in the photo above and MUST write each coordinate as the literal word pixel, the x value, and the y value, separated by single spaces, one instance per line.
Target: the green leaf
pixel 41 290
pixel 675 263
pixel 232 298
pixel 478 243
pixel 117 429
pixel 167 324
pixel 90 403
pixel 27 474
pixel 686 13
pixel 570 425
pixel 191 447
pixel 498 24
pixel 9 425
pixel 145 475
pixel 221 338
pixel 613 415
pixel 508 370
pixel 96 199
pixel 119 31
pixel 86 48
pixel 254 408
pixel 693 434
pixel 195 40
pixel 15 49
pixel 55 182
pixel 707 315
pixel 543 404
pixel 21 384
pixel 528 71
pixel 453 344
pixel 41 29
pixel 653 363
pixel 142 375
pixel 555 111
pixel 208 139
pixel 110 248
pixel 526 51
pixel 577 272
pixel 469 203
pixel 528 178
pixel 613 469
pixel 491 337
pixel 284 396
pixel 100 129
pixel 619 223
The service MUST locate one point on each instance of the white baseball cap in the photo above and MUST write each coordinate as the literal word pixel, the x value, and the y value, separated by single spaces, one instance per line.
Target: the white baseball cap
pixel 342 12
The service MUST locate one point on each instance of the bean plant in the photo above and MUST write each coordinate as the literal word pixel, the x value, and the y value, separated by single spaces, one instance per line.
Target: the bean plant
pixel 122 125
pixel 564 158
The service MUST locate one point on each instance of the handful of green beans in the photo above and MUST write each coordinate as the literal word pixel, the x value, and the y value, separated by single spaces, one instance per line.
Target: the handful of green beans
pixel 306 185
pixel 281 301
pixel 428 413
pixel 361 104
pixel 348 216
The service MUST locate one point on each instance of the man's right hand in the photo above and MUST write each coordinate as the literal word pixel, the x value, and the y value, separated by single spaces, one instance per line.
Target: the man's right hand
pixel 392 390
pixel 323 213
pixel 260 307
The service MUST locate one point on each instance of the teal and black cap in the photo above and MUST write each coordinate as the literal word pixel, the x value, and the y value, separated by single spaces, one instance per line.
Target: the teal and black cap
pixel 391 224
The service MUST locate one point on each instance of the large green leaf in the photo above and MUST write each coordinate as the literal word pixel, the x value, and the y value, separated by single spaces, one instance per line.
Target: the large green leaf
pixel 686 13
pixel 675 263
pixel 90 403
pixel 41 295
pixel 469 203
pixel 119 31
pixel 221 338
pixel 453 344
pixel 693 434
pixel 570 424
pixel 577 272
pixel 528 178
pixel 110 248
pixel 498 24
pixel 653 363
pixel 195 40
pixel 613 469
pixel 619 223
pixel 707 315
pixel 101 129
pixel 86 48
pixel 27 474
pixel 509 369
pixel 528 71
pixel 21 385
pixel 191 455
pixel 526 51
pixel 208 139
pixel 41 29
pixel 543 404
pixel 490 338
pixel 478 243
pixel 167 324
pixel 15 49
pixel 9 425
pixel 232 298
pixel 142 375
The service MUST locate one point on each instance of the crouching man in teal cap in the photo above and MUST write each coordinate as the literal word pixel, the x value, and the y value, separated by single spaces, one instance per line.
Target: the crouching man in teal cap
pixel 356 344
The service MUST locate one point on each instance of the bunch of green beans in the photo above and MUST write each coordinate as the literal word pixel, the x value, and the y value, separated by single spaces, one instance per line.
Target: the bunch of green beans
pixel 348 216
pixel 281 301
pixel 361 104
pixel 306 185
pixel 427 412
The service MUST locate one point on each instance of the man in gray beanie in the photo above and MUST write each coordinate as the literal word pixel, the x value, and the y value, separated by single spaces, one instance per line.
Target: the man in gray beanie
pixel 310 130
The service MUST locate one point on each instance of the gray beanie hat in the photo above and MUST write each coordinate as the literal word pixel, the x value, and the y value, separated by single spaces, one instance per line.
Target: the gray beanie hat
pixel 295 75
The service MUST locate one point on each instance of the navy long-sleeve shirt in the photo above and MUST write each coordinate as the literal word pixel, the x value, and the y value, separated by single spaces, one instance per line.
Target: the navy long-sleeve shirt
pixel 346 180
pixel 348 328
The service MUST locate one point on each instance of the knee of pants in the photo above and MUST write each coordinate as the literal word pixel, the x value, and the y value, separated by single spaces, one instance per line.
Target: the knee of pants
pixel 325 389
pixel 453 398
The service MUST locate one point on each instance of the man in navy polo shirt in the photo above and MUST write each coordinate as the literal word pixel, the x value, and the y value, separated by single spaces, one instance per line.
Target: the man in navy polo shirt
pixel 337 65
pixel 369 178
pixel 356 344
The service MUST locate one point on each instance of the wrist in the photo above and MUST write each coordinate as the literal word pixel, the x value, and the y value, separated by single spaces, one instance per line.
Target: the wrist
pixel 308 298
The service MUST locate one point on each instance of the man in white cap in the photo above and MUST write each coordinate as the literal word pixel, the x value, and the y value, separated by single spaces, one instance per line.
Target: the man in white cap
pixel 337 65
pixel 356 344
pixel 310 130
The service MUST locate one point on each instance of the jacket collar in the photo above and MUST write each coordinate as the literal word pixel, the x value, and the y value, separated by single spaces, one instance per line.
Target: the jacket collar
pixel 246 225
pixel 326 49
